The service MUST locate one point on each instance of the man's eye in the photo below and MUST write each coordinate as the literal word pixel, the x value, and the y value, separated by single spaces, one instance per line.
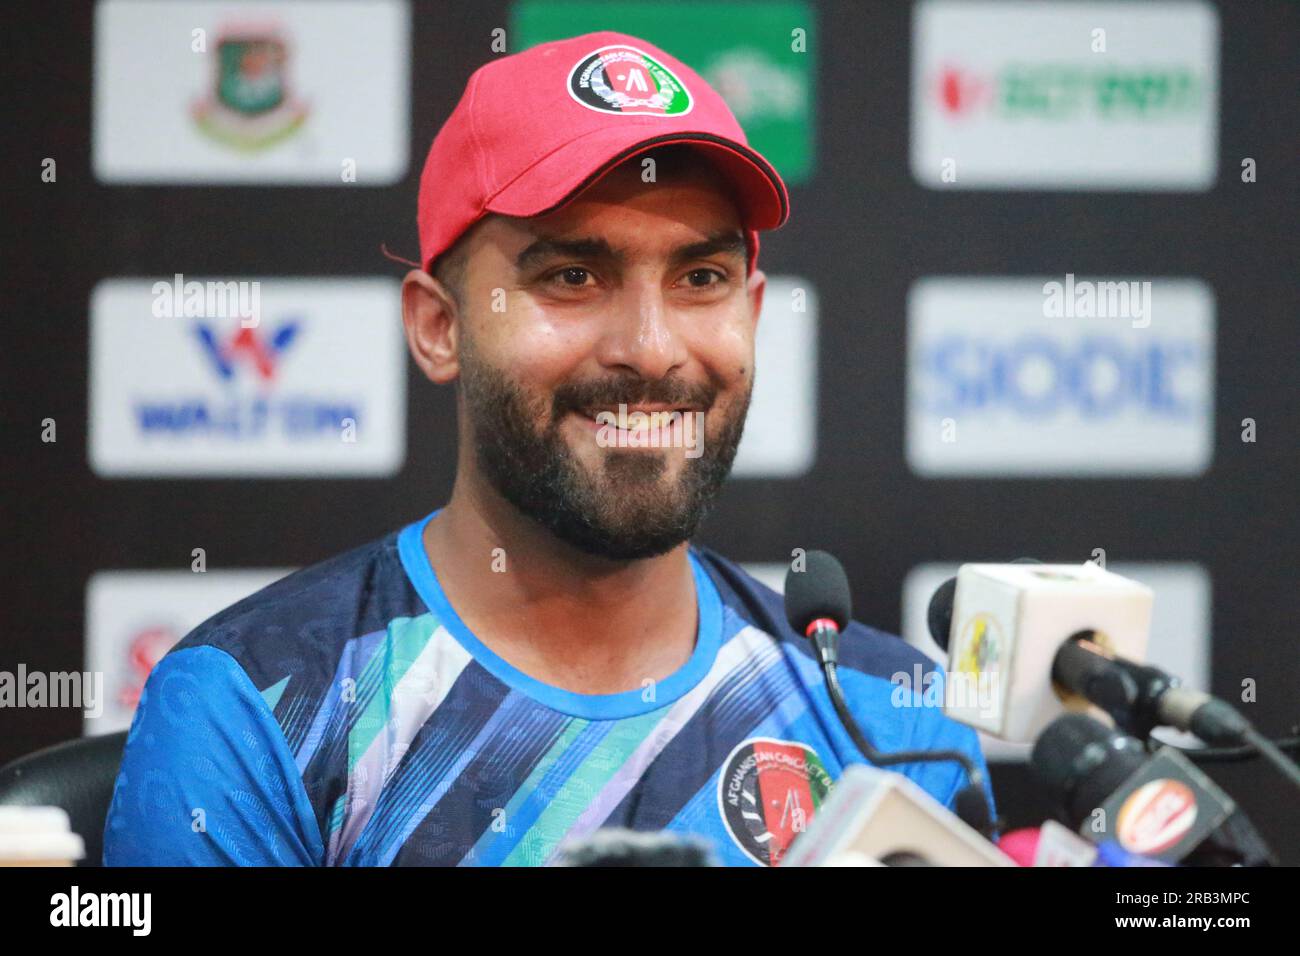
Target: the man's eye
pixel 703 278
pixel 573 276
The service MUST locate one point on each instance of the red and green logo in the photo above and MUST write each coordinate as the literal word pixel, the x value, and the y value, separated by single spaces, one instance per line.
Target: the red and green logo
pixel 251 106
pixel 761 58
pixel 767 794
pixel 623 79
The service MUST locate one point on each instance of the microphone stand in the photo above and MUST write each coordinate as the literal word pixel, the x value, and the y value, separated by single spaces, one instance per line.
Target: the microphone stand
pixel 973 810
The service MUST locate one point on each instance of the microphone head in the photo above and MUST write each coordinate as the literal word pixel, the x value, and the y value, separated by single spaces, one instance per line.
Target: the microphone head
pixel 820 590
pixel 939 614
pixel 972 808
pixel 1080 761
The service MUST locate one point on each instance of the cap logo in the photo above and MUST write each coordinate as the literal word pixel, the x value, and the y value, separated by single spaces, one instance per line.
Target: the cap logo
pixel 623 79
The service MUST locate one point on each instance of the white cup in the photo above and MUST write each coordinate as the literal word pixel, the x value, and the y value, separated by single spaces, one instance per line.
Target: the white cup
pixel 38 836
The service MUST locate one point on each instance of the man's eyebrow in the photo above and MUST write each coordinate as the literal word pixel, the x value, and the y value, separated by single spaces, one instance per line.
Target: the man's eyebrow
pixel 595 248
pixel 728 242
pixel 548 248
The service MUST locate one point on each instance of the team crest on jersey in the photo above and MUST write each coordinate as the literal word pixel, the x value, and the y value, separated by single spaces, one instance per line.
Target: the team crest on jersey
pixel 767 794
pixel 251 105
pixel 623 79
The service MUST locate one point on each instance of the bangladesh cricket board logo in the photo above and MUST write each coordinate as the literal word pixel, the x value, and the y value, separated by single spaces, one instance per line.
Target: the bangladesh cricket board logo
pixel 251 105
pixel 623 79
pixel 768 792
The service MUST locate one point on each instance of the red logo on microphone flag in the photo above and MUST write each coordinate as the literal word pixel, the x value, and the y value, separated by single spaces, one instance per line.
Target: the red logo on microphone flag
pixel 1156 816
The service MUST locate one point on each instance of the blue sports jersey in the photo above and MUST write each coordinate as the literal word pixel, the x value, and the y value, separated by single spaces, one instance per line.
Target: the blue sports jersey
pixel 345 715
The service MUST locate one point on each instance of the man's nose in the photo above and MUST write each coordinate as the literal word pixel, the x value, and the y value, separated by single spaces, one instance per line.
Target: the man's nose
pixel 641 334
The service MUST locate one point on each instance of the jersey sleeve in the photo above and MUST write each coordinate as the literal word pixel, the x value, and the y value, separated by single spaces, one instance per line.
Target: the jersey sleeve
pixel 207 778
pixel 900 717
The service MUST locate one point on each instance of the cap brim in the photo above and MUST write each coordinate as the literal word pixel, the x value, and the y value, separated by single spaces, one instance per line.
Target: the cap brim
pixel 564 173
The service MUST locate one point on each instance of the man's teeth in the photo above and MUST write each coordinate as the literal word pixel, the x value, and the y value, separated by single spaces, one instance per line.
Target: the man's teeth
pixel 636 420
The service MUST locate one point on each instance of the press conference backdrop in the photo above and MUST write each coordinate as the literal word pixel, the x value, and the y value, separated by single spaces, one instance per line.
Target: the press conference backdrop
pixel 1037 297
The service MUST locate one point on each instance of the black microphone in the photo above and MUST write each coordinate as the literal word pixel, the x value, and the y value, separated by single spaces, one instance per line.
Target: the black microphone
pixel 819 602
pixel 938 614
pixel 819 605
pixel 1141 697
pixel 1108 787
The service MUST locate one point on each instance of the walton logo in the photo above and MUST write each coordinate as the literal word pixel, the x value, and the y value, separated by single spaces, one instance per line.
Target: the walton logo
pixel 254 397
pixel 247 347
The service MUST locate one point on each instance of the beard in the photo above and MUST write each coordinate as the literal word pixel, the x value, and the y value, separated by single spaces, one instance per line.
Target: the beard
pixel 624 509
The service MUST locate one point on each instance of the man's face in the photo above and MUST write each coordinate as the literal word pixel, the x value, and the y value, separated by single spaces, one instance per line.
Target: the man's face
pixel 634 294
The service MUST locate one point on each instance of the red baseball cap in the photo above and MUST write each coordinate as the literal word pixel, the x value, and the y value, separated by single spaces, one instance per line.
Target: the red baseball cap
pixel 534 128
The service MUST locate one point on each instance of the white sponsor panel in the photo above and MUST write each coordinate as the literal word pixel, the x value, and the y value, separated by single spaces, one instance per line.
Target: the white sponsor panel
pixel 291 92
pixel 1005 379
pixel 1013 95
pixel 771 573
pixel 133 618
pixel 780 438
pixel 1180 628
pixel 312 385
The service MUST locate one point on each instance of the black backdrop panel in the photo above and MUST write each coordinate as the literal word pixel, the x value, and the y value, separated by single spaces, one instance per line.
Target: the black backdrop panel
pixel 862 230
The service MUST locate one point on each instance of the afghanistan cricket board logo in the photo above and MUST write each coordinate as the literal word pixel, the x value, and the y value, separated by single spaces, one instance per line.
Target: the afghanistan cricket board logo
pixel 250 106
pixel 767 794
pixel 623 79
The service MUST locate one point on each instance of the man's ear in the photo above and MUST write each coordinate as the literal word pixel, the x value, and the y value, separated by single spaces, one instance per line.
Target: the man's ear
pixel 432 326
pixel 755 286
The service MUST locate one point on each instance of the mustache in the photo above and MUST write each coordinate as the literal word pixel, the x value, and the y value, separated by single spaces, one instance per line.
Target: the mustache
pixel 632 390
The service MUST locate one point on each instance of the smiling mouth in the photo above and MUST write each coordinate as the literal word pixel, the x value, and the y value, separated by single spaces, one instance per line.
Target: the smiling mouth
pixel 637 416
pixel 649 420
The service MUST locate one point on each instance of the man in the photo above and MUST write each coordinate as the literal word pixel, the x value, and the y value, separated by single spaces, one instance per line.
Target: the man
pixel 547 654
